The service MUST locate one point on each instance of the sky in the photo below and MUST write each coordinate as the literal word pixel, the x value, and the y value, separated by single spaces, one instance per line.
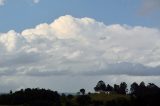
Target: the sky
pixel 66 45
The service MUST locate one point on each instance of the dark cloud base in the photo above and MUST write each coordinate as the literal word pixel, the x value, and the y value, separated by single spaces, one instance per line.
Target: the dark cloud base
pixel 111 69
pixel 127 69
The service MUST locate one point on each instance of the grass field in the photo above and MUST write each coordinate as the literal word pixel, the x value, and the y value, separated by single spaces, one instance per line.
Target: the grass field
pixel 101 97
pixel 108 97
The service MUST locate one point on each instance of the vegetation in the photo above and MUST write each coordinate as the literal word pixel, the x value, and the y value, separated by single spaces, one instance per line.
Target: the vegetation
pixel 82 91
pixel 117 95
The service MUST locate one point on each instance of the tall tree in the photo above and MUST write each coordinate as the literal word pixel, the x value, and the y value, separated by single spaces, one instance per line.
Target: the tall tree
pixel 123 88
pixel 134 88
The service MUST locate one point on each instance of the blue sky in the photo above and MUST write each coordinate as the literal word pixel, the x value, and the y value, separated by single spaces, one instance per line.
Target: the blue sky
pixel 22 14
pixel 50 43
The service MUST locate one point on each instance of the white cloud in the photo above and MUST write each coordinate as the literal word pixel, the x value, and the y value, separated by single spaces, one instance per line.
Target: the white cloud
pixel 2 2
pixel 80 46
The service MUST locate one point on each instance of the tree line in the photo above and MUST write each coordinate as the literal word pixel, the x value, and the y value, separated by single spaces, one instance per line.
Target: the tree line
pixel 104 95
pixel 120 89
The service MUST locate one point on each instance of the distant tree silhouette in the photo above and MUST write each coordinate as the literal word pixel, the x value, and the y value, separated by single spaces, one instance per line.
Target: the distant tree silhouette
pixel 120 89
pixel 31 96
pixel 141 95
pixel 82 91
pixel 10 92
pixel 123 88
pixel 142 85
pixel 152 86
pixel 134 88
pixel 101 86
pixel 109 88
pixel 145 95
pixel 116 88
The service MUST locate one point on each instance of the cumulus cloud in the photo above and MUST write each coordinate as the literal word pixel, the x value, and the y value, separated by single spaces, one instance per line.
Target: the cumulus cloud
pixel 68 49
pixel 2 2
pixel 80 46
